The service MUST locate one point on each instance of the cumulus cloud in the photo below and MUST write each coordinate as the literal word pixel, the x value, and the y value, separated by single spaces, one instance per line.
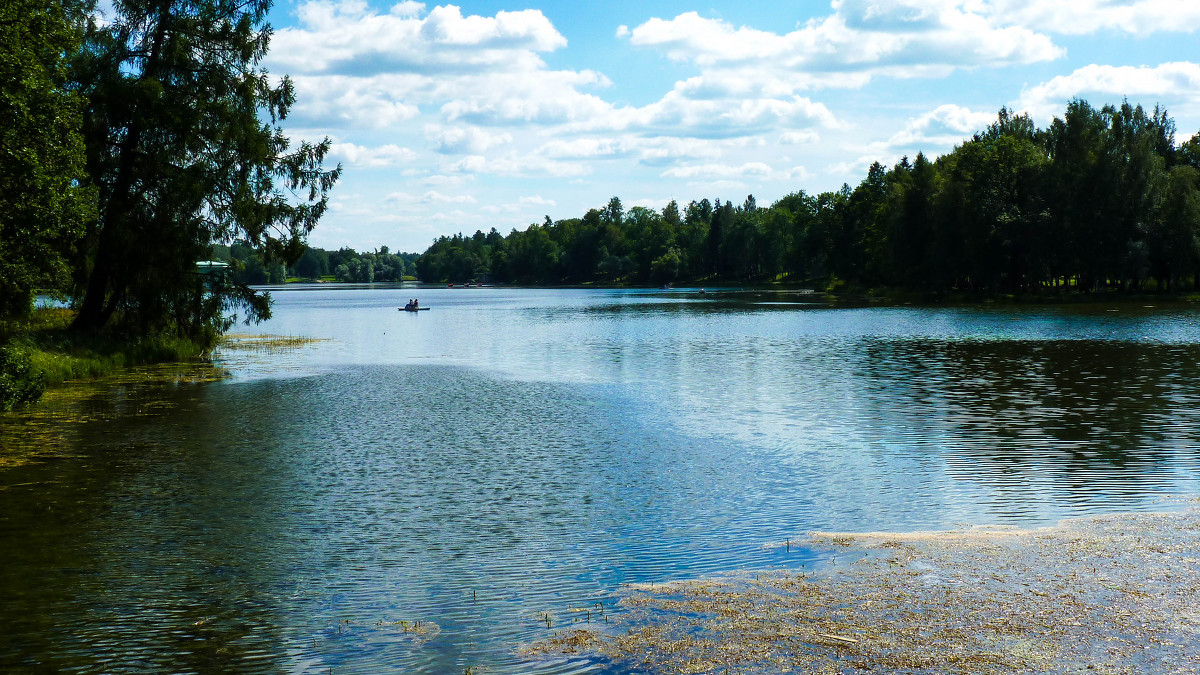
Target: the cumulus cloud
pixel 355 67
pixel 1080 17
pixel 456 140
pixel 344 102
pixel 518 166
pixel 718 171
pixel 348 37
pixel 645 150
pixel 435 197
pixel 439 179
pixel 1173 84
pixel 653 204
pixel 524 96
pixel 798 173
pixel 900 38
pixel 940 128
pixel 855 169
pixel 535 200
pixel 379 157
pixel 585 148
pixel 677 114
pixel 799 137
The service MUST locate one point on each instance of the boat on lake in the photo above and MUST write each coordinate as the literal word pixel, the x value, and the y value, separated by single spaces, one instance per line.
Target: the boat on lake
pixel 413 309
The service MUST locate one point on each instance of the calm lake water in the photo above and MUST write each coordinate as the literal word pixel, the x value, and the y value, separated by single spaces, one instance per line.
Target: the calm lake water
pixel 508 459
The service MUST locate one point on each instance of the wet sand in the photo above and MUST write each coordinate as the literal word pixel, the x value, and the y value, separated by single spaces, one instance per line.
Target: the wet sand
pixel 1103 594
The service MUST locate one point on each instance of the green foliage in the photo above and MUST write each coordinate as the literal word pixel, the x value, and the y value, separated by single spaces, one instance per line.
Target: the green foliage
pixel 41 350
pixel 1101 199
pixel 20 380
pixel 185 150
pixel 42 206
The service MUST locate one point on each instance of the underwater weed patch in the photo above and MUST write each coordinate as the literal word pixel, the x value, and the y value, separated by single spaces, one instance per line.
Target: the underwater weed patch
pixel 1105 594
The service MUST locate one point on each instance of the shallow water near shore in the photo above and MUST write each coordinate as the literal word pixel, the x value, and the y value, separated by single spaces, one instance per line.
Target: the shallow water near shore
pixel 497 467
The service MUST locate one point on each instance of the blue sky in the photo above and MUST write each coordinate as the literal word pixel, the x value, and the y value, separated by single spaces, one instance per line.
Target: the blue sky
pixel 453 118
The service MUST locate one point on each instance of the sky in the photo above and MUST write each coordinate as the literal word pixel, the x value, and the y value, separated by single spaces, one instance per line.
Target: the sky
pixel 457 118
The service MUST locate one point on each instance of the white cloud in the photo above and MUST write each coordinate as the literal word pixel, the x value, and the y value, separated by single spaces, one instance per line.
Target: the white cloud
pixel 1081 17
pixel 408 8
pixel 799 137
pixel 798 173
pixel 518 166
pixel 940 129
pixel 718 171
pixel 898 38
pixel 347 36
pixel 523 96
pixel 1173 84
pixel 346 102
pixel 652 204
pixel 465 139
pixel 354 67
pixel 435 197
pixel 382 156
pixel 438 179
pixel 678 115
pixel 535 200
pixel 856 169
pixel 584 148
pixel 717 187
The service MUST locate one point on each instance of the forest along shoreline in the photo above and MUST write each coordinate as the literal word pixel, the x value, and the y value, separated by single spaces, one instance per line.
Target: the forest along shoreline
pixel 1101 594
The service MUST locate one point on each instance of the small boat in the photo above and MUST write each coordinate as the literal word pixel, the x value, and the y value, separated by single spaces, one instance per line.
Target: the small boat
pixel 413 309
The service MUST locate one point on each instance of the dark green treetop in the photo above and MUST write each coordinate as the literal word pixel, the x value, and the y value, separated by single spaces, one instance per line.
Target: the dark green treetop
pixel 185 150
pixel 42 206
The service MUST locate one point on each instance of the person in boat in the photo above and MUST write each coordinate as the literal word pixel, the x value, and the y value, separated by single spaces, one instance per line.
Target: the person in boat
pixel 416 304
pixel 408 306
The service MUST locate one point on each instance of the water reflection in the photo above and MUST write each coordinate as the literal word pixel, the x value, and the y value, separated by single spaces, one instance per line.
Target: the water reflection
pixel 511 455
pixel 1083 422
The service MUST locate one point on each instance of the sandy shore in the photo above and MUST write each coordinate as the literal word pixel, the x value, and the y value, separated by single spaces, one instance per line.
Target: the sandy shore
pixel 1104 594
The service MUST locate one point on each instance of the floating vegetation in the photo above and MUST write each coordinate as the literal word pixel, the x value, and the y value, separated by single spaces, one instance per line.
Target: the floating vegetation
pixel 1106 594
pixel 422 629
pixel 264 343
pixel 47 429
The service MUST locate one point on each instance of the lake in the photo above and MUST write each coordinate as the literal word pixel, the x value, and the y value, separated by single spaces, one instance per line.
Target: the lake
pixel 426 492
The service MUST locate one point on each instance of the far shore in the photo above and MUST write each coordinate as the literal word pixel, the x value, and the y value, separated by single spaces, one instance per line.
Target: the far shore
pixel 1100 594
pixel 837 293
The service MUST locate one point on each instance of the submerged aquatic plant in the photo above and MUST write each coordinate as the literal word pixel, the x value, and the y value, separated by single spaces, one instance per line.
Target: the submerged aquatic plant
pixel 1110 594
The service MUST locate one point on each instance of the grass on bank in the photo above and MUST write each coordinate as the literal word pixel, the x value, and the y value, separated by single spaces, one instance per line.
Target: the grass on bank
pixel 40 351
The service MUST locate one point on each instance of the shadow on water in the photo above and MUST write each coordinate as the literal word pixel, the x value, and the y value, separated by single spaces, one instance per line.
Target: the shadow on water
pixel 105 566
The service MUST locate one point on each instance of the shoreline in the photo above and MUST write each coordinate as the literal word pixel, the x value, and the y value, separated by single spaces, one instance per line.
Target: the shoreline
pixel 841 296
pixel 1111 593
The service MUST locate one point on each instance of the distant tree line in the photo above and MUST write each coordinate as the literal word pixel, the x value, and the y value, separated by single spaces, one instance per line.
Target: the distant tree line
pixel 345 264
pixel 1102 198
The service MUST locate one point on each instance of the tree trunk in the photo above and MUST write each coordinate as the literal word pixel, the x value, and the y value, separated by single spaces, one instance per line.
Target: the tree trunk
pixel 104 287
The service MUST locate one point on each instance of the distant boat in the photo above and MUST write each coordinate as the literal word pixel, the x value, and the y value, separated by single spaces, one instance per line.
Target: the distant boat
pixel 413 309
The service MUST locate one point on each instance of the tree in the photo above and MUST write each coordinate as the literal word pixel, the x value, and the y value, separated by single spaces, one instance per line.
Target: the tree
pixel 184 148
pixel 42 206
